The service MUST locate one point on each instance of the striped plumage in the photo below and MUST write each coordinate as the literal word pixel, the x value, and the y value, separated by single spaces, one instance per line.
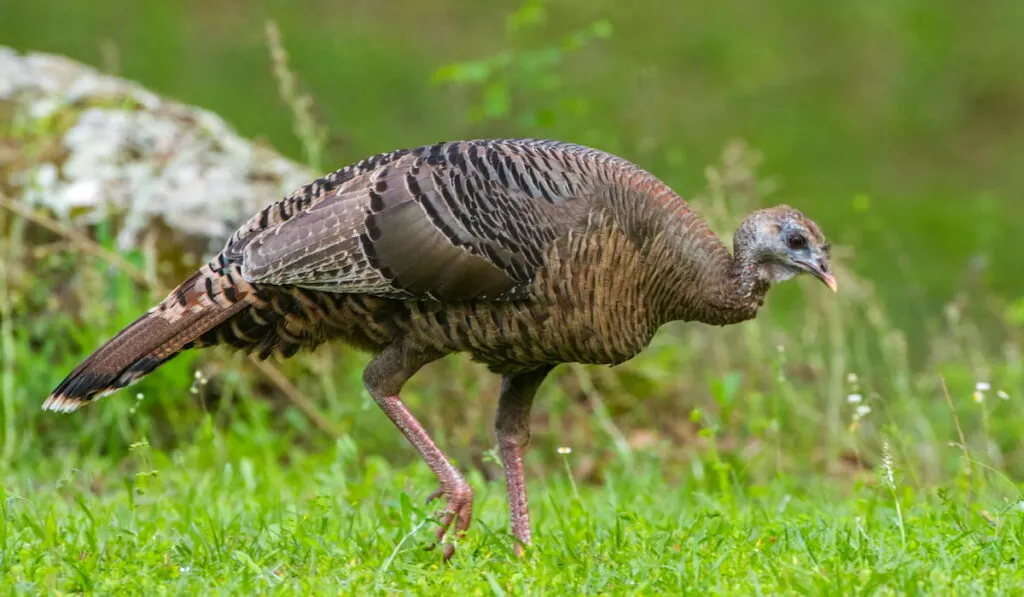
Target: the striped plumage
pixel 523 253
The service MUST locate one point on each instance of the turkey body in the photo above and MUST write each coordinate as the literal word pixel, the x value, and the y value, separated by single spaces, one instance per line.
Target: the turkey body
pixel 514 251
pixel 523 253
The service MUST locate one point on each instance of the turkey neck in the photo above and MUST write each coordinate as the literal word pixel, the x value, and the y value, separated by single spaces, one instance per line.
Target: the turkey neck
pixel 690 274
pixel 744 285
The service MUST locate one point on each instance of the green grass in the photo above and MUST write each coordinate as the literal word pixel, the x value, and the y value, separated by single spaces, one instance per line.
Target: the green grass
pixel 224 516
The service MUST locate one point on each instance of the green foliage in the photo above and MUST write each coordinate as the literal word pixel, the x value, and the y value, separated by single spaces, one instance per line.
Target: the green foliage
pixel 525 85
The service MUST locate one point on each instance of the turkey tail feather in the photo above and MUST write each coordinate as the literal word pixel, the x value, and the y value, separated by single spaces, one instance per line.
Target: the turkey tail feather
pixel 199 304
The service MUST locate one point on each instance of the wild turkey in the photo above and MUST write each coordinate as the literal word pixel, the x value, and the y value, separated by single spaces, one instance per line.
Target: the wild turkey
pixel 523 253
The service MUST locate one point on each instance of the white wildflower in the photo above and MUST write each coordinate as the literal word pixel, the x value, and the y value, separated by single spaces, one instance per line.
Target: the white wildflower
pixel 978 397
pixel 564 450
pixel 982 386
pixel 860 410
pixel 1003 395
pixel 199 381
pixel 851 378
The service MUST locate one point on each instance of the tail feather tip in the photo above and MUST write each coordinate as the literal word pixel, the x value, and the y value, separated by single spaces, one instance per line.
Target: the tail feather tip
pixel 62 404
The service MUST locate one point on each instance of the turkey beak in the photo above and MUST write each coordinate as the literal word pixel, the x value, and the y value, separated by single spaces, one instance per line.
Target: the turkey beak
pixel 820 269
pixel 829 280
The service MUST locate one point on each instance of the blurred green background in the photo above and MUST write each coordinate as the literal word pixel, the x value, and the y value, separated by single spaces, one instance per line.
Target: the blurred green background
pixel 897 124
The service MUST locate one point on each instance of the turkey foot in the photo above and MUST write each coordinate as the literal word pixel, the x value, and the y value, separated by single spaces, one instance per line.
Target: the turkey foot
pixel 457 512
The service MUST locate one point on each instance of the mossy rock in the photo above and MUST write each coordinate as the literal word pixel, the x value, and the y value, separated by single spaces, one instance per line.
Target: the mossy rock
pixel 98 151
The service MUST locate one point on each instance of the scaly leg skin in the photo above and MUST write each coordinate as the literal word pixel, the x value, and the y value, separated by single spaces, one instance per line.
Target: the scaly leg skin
pixel 384 378
pixel 512 427
pixel 453 485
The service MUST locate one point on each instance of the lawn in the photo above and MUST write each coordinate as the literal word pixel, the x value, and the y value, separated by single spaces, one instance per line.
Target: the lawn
pixel 225 516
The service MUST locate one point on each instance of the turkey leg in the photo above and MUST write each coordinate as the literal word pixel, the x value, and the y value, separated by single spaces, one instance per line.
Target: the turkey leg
pixel 512 427
pixel 384 378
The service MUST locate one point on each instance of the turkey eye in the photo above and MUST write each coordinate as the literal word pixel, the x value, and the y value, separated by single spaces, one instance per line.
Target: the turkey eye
pixel 796 241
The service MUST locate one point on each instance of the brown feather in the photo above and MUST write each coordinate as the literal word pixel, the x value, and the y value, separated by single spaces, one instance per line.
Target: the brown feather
pixel 193 308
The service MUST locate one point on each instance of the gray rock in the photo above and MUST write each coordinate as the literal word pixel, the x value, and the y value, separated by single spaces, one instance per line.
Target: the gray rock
pixel 90 146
